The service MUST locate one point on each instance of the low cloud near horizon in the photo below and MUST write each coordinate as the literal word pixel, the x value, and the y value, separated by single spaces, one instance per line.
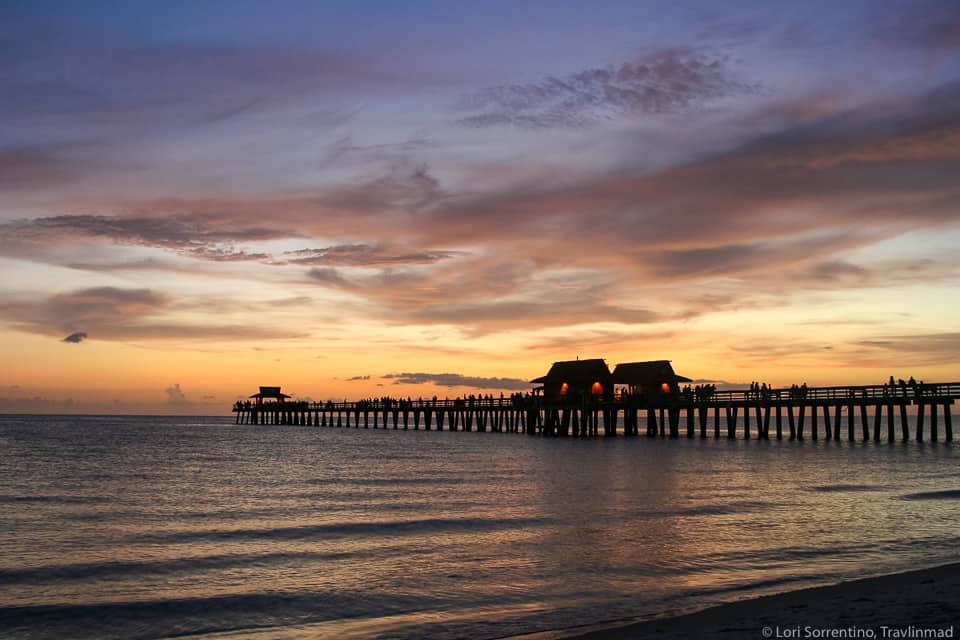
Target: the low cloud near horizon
pixel 175 394
pixel 459 380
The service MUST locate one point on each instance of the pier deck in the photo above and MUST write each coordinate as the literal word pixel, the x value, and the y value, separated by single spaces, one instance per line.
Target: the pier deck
pixel 851 413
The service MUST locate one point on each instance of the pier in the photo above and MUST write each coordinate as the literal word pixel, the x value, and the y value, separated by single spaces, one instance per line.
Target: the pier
pixel 887 412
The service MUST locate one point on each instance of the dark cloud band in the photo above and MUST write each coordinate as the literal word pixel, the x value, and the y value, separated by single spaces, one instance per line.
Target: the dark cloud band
pixel 459 380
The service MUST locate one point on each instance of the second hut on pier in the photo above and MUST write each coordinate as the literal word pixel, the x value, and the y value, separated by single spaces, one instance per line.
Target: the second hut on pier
pixel 652 379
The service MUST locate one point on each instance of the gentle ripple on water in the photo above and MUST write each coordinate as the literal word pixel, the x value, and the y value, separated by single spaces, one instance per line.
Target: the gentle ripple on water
pixel 169 527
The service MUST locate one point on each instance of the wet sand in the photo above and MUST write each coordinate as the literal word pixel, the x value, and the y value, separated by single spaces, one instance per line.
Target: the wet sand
pixel 915 604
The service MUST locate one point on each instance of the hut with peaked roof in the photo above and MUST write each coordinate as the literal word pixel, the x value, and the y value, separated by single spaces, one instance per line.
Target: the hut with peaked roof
pixel 649 379
pixel 269 393
pixel 577 381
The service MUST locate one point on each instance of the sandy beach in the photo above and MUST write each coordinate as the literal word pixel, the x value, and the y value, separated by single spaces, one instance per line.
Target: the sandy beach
pixel 916 604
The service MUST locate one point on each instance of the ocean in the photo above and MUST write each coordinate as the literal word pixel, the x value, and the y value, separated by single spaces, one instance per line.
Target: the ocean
pixel 171 527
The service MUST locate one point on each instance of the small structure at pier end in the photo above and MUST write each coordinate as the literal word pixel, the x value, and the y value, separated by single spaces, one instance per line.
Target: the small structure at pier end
pixel 269 393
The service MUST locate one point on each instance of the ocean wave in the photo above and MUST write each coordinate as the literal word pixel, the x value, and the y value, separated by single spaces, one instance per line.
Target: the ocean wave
pixel 720 509
pixel 302 532
pixel 386 482
pixel 52 499
pixel 111 569
pixel 946 494
pixel 164 618
pixel 780 555
pixel 844 488
pixel 740 506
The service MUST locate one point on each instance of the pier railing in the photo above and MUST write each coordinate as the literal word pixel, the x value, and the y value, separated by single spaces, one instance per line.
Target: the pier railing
pixel 740 396
pixel 398 404
pixel 862 392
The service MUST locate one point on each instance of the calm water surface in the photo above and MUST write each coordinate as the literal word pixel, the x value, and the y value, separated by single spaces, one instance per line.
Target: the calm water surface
pixel 119 527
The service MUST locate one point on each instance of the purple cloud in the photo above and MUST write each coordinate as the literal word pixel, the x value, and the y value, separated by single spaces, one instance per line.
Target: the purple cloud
pixel 666 81
pixel 363 255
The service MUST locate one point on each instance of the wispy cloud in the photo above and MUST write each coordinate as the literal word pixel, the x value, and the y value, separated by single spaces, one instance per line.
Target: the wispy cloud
pixel 796 353
pixel 486 317
pixel 185 230
pixel 574 341
pixel 749 257
pixel 226 254
pixel 665 81
pixel 917 349
pixel 113 313
pixel 899 352
pixel 202 236
pixel 362 255
pixel 75 338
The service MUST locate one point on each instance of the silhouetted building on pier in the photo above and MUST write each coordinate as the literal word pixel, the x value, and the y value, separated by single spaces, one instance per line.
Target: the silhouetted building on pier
pixel 648 379
pixel 576 380
pixel 269 393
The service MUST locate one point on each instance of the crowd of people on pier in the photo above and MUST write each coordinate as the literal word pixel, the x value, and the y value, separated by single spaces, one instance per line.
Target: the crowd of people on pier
pixel 900 386
pixel 700 392
pixel 460 402
pixel 515 400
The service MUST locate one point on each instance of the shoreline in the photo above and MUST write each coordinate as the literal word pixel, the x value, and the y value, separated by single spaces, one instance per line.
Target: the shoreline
pixel 899 605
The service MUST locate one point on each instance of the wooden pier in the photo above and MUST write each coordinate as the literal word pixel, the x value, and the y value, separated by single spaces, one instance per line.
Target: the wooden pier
pixel 850 413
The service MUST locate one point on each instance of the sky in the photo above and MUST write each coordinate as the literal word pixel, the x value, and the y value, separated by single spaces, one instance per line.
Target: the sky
pixel 359 199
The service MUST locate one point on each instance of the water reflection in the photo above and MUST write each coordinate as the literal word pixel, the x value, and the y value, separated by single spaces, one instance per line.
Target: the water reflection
pixel 116 526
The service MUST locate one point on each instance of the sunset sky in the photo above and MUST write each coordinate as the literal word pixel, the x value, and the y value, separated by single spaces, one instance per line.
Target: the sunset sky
pixel 414 198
